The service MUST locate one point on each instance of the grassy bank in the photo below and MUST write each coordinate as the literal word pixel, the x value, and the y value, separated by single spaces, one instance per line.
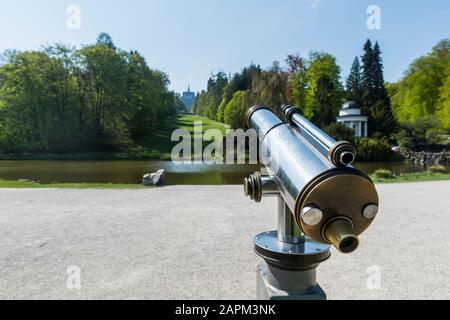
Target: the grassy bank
pixel 414 177
pixel 23 184
pixel 157 147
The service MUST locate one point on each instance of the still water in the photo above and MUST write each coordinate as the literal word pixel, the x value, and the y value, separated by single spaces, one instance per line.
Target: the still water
pixel 132 171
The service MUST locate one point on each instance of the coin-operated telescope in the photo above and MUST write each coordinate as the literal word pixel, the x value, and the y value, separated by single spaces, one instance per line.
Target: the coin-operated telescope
pixel 322 201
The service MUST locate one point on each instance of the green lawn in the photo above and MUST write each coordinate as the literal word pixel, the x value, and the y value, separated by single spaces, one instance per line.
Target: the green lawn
pixel 414 177
pixel 161 142
pixel 408 178
pixel 22 184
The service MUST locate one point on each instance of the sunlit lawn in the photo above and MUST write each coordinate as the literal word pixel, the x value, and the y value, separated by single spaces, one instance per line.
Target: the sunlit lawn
pixel 23 184
pixel 161 142
pixel 414 177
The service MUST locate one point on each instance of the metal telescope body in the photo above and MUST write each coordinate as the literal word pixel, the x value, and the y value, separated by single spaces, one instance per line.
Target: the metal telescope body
pixel 322 201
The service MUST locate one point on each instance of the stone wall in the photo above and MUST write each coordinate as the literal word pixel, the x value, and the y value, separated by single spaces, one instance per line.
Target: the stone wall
pixel 426 158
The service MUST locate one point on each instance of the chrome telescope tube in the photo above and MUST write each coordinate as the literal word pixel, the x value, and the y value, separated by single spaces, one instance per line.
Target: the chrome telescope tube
pixel 341 153
pixel 328 199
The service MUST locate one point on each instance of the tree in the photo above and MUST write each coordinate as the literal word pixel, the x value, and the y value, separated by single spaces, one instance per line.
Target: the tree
pixel 378 77
pixel 424 90
pixel 368 94
pixel 61 99
pixel 339 132
pixel 297 81
pixel 200 103
pixel 354 83
pixel 375 100
pixel 443 105
pixel 242 81
pixel 216 86
pixel 147 96
pixel 34 94
pixel 323 101
pixel 269 87
pixel 324 93
pixel 234 111
pixel 105 87
pixel 105 39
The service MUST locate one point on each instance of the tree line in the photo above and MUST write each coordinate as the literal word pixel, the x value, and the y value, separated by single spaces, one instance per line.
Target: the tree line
pixel 63 99
pixel 315 86
pixel 421 100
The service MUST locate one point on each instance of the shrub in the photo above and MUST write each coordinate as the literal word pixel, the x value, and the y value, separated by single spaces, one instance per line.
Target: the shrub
pixel 434 136
pixel 425 131
pixel 374 150
pixel 438 169
pixel 405 140
pixel 384 174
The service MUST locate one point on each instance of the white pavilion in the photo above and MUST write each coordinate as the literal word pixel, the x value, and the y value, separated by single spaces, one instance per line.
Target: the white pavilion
pixel 351 116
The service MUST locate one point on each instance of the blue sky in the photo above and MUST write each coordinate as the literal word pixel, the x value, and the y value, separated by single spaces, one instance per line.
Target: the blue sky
pixel 190 39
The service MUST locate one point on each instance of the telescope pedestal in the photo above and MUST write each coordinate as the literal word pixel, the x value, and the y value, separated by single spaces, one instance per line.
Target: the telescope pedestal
pixel 289 270
pixel 276 284
pixel 291 261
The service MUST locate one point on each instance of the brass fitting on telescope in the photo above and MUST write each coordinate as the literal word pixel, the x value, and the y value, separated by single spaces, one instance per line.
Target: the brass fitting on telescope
pixel 339 232
pixel 257 185
pixel 342 154
pixel 348 202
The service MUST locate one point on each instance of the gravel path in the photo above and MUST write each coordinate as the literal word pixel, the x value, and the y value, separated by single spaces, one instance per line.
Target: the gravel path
pixel 196 243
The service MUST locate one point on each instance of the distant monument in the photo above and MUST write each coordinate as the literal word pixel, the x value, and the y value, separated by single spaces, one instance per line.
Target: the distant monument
pixel 350 115
pixel 188 99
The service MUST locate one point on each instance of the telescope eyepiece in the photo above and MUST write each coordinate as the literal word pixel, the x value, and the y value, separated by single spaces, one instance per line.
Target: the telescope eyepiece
pixel 339 232
pixel 349 244
pixel 347 158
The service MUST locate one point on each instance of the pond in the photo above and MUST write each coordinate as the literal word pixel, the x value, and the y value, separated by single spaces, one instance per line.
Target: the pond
pixel 132 171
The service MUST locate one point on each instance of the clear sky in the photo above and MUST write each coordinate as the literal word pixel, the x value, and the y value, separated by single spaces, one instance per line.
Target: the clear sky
pixel 190 39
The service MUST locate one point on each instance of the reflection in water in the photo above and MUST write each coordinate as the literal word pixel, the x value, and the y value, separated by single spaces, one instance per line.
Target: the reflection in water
pixel 132 171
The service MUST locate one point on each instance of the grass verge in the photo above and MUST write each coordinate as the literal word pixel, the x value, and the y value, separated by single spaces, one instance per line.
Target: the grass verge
pixel 24 184
pixel 414 177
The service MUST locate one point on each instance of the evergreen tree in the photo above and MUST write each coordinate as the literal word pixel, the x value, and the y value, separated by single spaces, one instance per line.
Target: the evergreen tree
pixel 216 85
pixel 375 100
pixel 367 78
pixel 378 77
pixel 354 82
